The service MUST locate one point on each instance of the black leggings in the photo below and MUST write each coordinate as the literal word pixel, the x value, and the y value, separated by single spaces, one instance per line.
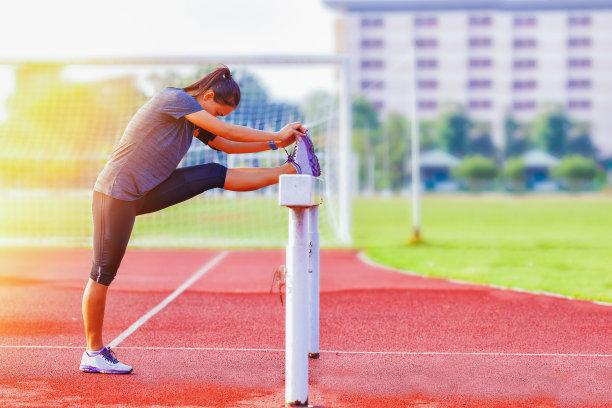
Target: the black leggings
pixel 114 219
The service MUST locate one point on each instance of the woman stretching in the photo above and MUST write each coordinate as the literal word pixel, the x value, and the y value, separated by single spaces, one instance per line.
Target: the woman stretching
pixel 141 177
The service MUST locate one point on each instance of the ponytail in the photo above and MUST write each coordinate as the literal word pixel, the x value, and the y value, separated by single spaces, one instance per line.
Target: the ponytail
pixel 221 82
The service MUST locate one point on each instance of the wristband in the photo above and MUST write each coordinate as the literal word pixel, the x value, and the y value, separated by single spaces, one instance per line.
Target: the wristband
pixel 272 145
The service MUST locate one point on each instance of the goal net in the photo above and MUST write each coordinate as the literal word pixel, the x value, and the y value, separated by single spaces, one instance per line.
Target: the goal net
pixel 59 122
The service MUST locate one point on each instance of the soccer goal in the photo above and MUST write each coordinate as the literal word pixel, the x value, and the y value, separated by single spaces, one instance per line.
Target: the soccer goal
pixel 59 121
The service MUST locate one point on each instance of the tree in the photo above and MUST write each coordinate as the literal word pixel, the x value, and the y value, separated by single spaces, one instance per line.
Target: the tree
pixel 394 151
pixel 366 135
pixel 514 173
pixel 580 142
pixel 60 132
pixel 516 140
pixel 477 172
pixel 577 172
pixel 481 142
pixel 551 131
pixel 453 130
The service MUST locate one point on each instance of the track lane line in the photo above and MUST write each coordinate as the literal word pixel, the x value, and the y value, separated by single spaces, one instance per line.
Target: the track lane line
pixel 161 305
pixel 354 352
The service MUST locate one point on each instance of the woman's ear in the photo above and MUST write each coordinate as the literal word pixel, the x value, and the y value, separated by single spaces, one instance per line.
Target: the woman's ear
pixel 209 95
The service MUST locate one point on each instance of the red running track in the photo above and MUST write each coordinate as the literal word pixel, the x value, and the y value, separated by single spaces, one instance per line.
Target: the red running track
pixel 387 339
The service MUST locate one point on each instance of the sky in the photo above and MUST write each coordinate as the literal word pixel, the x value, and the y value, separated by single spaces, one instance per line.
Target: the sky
pixel 83 28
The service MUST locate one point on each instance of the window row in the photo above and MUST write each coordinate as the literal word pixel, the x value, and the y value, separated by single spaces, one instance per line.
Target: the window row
pixel 520 105
pixel 477 63
pixel 480 21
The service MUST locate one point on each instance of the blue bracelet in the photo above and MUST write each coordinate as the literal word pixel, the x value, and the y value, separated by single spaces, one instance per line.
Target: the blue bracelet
pixel 272 145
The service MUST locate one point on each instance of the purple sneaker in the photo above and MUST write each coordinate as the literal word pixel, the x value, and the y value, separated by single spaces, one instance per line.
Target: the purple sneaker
pixel 103 361
pixel 304 159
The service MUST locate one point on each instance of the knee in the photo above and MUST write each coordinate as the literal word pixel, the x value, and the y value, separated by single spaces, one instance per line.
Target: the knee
pixel 103 275
pixel 218 173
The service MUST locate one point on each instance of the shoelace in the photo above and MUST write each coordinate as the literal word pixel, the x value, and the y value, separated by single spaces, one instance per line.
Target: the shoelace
pixel 109 355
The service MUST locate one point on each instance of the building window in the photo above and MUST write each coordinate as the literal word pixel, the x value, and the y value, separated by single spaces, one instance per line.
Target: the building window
pixel 427 84
pixel 480 62
pixel 378 105
pixel 427 104
pixel 579 84
pixel 579 63
pixel 480 42
pixel 579 42
pixel 372 64
pixel 426 42
pixel 524 64
pixel 579 104
pixel 425 21
pixel 524 43
pixel 525 21
pixel 372 84
pixel 524 84
pixel 427 63
pixel 480 83
pixel 372 43
pixel 523 105
pixel 480 104
pixel 579 21
pixel 480 21
pixel 372 22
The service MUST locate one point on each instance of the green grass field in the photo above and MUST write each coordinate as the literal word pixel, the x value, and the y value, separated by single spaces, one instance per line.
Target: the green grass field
pixel 560 244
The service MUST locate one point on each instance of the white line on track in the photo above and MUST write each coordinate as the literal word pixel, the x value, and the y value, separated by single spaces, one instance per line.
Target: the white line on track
pixel 354 352
pixel 161 305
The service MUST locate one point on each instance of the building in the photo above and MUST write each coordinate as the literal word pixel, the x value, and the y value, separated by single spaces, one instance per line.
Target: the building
pixel 436 166
pixel 538 166
pixel 493 56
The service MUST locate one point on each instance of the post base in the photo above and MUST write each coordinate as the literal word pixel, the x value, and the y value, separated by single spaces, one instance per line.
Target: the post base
pixel 297 404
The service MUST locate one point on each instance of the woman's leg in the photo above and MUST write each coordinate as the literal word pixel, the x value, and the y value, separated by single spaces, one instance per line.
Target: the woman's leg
pixel 113 222
pixel 94 302
pixel 188 182
pixel 253 179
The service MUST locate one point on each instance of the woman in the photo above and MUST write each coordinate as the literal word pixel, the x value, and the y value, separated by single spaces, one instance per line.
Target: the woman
pixel 141 177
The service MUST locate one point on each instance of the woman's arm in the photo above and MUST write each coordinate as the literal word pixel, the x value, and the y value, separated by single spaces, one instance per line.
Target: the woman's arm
pixel 238 133
pixel 229 146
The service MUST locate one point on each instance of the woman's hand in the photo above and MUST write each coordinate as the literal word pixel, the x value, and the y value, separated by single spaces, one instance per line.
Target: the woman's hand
pixel 285 142
pixel 294 130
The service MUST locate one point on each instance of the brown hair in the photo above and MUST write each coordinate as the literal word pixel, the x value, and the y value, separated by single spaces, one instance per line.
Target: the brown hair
pixel 220 81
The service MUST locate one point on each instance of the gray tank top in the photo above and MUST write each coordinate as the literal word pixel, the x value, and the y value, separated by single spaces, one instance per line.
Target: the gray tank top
pixel 153 144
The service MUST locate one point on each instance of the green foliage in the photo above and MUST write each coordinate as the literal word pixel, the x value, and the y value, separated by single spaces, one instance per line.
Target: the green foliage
pixel 515 170
pixel 477 172
pixel 57 131
pixel 366 136
pixel 453 131
pixel 580 143
pixel 481 142
pixel 577 172
pixel 516 138
pixel 551 131
pixel 393 151
pixel 514 173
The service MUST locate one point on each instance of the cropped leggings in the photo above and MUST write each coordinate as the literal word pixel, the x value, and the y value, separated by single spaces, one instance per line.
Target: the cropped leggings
pixel 114 219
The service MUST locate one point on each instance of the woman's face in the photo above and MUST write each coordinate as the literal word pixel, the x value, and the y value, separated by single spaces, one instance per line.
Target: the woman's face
pixel 207 100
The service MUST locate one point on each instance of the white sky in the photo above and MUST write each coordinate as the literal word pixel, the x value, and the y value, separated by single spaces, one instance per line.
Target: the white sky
pixel 84 28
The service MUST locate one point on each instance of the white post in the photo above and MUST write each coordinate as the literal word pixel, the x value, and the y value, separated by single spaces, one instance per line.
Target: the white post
pixel 302 195
pixel 344 159
pixel 313 284
pixel 296 319
pixel 415 152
